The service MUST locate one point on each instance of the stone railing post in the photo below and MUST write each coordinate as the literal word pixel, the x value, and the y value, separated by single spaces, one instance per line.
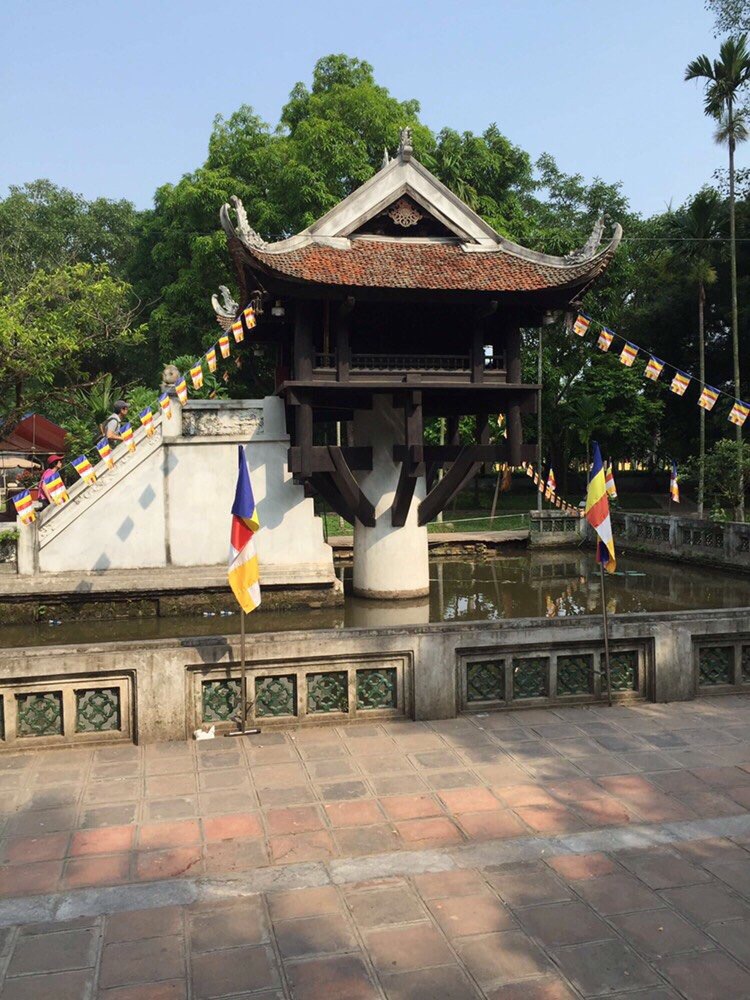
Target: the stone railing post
pixel 27 548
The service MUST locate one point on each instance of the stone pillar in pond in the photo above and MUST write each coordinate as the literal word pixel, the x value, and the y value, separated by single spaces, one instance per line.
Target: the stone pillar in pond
pixel 389 563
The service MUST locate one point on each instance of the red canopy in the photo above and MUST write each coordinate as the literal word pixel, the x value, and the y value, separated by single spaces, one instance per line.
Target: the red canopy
pixel 34 435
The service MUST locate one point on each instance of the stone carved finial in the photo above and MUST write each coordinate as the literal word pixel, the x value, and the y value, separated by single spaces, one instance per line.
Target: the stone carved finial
pixel 169 377
pixel 405 149
pixel 228 307
pixel 386 159
pixel 243 229
pixel 591 245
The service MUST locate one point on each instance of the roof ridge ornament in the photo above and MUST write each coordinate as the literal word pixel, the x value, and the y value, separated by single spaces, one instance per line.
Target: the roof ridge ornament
pixel 227 309
pixel 405 148
pixel 591 245
pixel 386 158
pixel 243 229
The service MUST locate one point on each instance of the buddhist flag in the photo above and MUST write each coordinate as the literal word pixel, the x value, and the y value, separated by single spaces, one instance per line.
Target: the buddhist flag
pixel 530 471
pixel 57 491
pixel 502 425
pixel 581 325
pixel 25 507
pixel 551 484
pixel 610 482
pixel 211 359
pixel 249 315
pixel 674 484
pixel 166 406
pixel 597 512
pixel 182 391
pixel 237 330
pixel 105 453
pixel 507 480
pixel 224 346
pixel 84 470
pixel 127 437
pixel 196 374
pixel 243 575
pixel 738 413
pixel 680 383
pixel 147 420
pixel 605 339
pixel 628 354
pixel 708 397
pixel 654 368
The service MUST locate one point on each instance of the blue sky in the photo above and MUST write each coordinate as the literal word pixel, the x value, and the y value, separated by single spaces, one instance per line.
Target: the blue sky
pixel 115 97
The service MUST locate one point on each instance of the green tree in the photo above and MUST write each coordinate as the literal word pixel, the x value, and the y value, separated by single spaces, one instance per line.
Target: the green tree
pixel 725 79
pixel 731 15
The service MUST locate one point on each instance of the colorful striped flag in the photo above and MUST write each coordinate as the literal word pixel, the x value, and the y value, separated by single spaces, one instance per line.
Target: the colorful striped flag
pixel 605 339
pixel 629 354
pixel 502 425
pixel 244 578
pixel 127 437
pixel 147 420
pixel 249 315
pixel 654 368
pixel 581 325
pixel 597 512
pixel 211 359
pixel 182 391
pixel 237 330
pixel 530 471
pixel 708 397
pixel 680 383
pixel 84 470
pixel 610 482
pixel 551 487
pixel 25 507
pixel 166 406
pixel 224 346
pixel 196 374
pixel 105 453
pixel 738 413
pixel 674 484
pixel 57 491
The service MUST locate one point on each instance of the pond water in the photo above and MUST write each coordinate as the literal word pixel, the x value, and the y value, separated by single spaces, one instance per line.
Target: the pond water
pixel 515 584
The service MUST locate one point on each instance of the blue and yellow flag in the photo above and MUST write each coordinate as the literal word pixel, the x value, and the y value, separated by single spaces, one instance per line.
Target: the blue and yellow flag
pixel 674 484
pixel 243 575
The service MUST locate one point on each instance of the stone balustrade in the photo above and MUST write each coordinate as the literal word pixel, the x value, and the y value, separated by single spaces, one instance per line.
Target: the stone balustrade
pixel 714 543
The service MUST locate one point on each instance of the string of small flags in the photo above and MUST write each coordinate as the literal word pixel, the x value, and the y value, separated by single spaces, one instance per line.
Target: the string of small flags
pixel 56 488
pixel 655 366
pixel 549 490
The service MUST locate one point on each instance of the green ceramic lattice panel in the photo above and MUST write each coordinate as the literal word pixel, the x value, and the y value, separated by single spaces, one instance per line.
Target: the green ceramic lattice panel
pixel 715 665
pixel 575 674
pixel 623 670
pixel 98 710
pixel 276 695
pixel 221 700
pixel 530 677
pixel 328 692
pixel 746 664
pixel 377 688
pixel 39 714
pixel 485 680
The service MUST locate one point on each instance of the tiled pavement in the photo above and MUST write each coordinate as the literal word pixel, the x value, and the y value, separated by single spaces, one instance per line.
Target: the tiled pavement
pixel 539 855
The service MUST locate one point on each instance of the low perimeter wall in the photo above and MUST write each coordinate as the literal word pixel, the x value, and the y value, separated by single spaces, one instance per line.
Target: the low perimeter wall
pixel 164 689
pixel 710 543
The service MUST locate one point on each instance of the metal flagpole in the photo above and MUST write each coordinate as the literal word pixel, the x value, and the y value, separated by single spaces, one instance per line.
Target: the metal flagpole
pixel 606 634
pixel 539 421
pixel 242 708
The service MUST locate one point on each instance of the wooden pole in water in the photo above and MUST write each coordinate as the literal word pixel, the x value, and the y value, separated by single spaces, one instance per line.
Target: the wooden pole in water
pixel 494 499
pixel 606 635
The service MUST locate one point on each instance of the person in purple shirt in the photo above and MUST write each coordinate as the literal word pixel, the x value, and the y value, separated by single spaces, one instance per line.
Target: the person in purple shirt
pixel 54 464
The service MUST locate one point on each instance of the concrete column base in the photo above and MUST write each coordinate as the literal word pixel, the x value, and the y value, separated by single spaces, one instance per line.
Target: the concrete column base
pixel 389 563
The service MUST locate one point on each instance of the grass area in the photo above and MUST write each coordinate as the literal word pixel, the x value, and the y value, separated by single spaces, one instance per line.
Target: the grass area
pixel 463 522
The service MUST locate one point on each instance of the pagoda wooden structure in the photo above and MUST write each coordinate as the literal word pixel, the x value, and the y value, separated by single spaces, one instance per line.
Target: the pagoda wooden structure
pixel 401 303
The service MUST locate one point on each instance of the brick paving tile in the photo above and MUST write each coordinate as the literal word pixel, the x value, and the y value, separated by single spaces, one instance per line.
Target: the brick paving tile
pixel 447 982
pixel 315 846
pixel 30 880
pixel 722 777
pixel 303 903
pixel 135 925
pixel 575 867
pixel 440 759
pixel 605 967
pixel 58 985
pixel 181 833
pixel 55 952
pixel 735 874
pixel 235 970
pixel 463 800
pixel 526 795
pixel 340 978
pixel 603 764
pixel 111 869
pixel 617 893
pixel 711 849
pixel 107 840
pixel 340 768
pixel 144 961
pixel 539 989
pixel 410 806
pixel 496 825
pixel 663 869
pixel 362 840
pixel 175 989
pixel 551 819
pixel 437 885
pixel 398 784
pixel 417 946
pixel 451 779
pixel 734 936
pixel 711 803
pixel 113 790
pixel 295 796
pixel 460 916
pixel 297 819
pixel 706 903
pixel 219 803
pixel 43 821
pixel 354 813
pixel 223 857
pixel 709 976
pixel 525 885
pixel 279 775
pixel 168 864
pixel 231 777
pixel 559 924
pixel 228 926
pixel 503 775
pixel 576 790
pixel 502 958
pixel 310 937
pixel 436 832
pixel 229 827
pixel 24 850
pixel 122 815
pixel 388 905
pixel 602 812
pixel 343 790
pixel 656 933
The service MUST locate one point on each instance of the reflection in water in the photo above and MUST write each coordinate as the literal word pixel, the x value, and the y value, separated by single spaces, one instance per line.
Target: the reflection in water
pixel 522 584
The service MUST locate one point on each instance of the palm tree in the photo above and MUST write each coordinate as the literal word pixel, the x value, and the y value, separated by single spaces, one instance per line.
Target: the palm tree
pixel 691 231
pixel 724 79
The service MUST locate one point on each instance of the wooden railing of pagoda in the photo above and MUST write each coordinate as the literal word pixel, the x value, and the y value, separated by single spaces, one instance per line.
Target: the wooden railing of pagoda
pixel 452 367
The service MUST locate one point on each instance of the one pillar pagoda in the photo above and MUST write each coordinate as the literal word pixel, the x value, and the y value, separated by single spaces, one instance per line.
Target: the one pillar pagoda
pixel 398 305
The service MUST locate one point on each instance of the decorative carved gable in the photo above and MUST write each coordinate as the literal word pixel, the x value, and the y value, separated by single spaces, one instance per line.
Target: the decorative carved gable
pixel 404 217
